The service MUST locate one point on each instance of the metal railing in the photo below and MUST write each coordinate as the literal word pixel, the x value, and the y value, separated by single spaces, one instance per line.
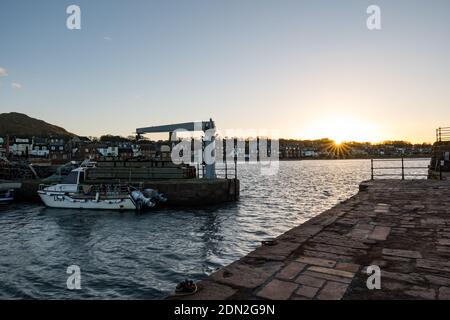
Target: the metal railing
pixel 223 170
pixel 102 189
pixel 443 134
pixel 402 169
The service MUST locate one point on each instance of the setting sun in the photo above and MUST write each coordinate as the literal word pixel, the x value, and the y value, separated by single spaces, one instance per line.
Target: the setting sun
pixel 343 129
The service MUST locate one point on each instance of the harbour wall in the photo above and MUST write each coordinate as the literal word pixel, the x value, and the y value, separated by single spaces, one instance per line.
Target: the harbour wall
pixel 179 192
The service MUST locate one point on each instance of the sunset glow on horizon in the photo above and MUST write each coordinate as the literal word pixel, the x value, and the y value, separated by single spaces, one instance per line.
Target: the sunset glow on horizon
pixel 343 129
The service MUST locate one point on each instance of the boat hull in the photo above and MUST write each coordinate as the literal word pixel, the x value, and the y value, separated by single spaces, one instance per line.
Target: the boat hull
pixel 6 200
pixel 6 196
pixel 65 201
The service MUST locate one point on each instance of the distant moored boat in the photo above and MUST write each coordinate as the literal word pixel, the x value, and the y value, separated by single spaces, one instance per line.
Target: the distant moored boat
pixel 7 190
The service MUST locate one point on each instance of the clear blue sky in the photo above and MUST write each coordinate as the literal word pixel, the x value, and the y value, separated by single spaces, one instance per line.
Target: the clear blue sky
pixel 301 67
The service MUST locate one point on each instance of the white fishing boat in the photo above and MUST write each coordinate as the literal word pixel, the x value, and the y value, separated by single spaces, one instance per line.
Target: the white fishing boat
pixel 74 193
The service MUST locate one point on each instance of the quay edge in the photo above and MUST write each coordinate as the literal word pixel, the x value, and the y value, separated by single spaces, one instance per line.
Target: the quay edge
pixel 401 226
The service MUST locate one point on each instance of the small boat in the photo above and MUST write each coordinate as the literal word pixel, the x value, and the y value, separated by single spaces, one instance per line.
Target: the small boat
pixel 6 196
pixel 7 190
pixel 74 193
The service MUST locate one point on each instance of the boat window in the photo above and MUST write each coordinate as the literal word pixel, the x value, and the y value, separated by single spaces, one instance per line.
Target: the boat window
pixel 72 178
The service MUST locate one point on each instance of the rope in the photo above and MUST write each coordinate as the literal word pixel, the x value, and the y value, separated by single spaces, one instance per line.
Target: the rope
pixel 180 294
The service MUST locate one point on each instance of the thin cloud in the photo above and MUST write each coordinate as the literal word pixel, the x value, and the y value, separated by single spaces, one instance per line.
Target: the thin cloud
pixel 3 72
pixel 107 38
pixel 16 86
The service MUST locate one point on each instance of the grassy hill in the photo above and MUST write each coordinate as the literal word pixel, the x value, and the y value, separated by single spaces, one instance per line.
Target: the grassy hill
pixel 21 125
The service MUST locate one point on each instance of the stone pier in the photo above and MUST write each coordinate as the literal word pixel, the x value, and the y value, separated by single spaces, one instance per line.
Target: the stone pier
pixel 401 226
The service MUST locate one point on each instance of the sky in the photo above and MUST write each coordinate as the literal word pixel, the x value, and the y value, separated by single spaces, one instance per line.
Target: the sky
pixel 300 69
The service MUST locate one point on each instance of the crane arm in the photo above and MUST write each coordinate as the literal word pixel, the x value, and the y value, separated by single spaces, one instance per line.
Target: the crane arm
pixel 189 126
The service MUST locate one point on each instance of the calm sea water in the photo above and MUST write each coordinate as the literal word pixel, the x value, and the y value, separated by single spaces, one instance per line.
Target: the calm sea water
pixel 144 255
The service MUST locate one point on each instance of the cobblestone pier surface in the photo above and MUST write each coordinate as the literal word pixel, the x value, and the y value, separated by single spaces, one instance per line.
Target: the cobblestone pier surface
pixel 401 226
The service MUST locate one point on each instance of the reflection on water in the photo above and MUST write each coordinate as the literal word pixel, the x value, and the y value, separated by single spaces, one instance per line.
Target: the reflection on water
pixel 144 255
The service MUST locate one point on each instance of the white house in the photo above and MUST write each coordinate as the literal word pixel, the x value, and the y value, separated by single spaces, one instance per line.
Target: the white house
pixel 136 150
pixel 21 146
pixel 40 147
pixel 309 153
pixel 109 151
pixel 2 147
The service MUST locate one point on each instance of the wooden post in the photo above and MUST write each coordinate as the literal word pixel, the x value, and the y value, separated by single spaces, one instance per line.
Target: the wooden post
pixel 235 158
pixel 371 168
pixel 192 150
pixel 247 151
pixel 224 154
pixel 224 150
pixel 257 149
pixel 403 170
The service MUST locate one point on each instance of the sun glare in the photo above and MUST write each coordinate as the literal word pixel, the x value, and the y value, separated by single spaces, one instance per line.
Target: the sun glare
pixel 343 129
